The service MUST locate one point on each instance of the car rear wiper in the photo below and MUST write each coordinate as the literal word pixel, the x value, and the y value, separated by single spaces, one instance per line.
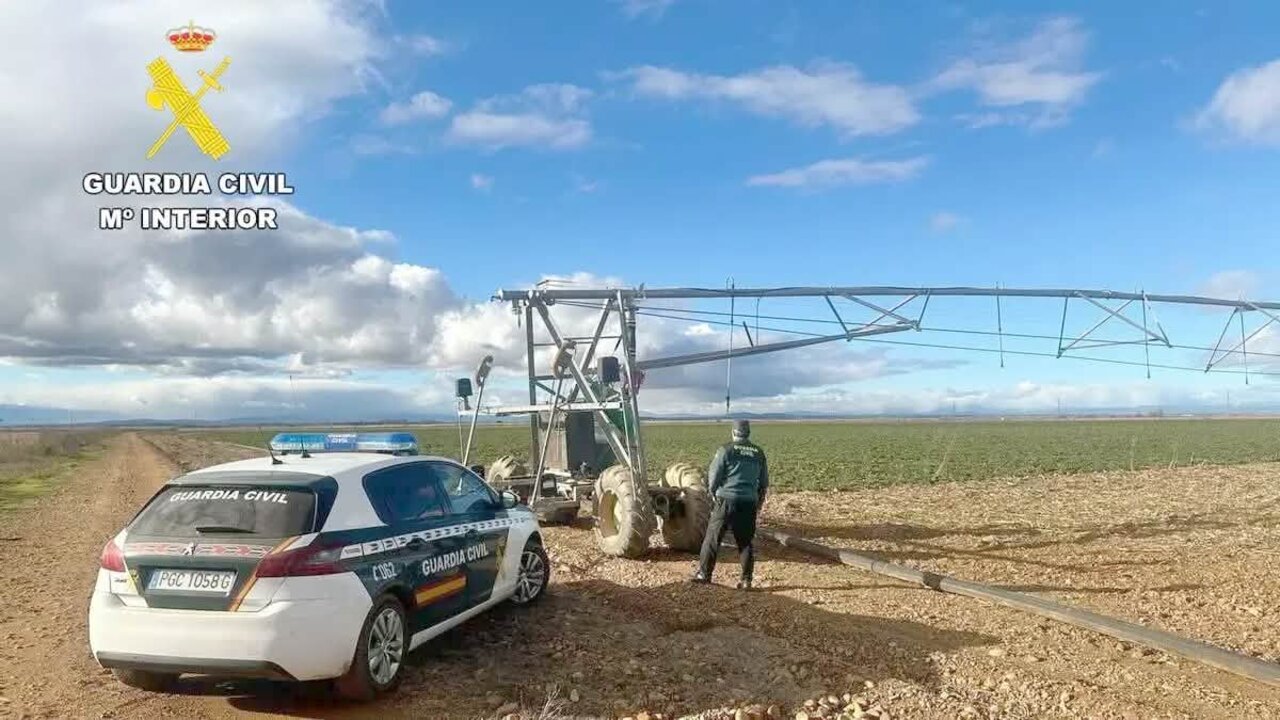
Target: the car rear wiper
pixel 202 529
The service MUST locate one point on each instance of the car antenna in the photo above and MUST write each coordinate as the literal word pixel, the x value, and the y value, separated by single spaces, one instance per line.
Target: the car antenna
pixel 274 460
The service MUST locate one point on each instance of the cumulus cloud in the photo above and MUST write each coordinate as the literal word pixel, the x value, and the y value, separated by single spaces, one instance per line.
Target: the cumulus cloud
pixel 1231 285
pixel 847 171
pixel 1246 106
pixel 548 115
pixel 1036 81
pixel 827 94
pixel 197 302
pixel 425 105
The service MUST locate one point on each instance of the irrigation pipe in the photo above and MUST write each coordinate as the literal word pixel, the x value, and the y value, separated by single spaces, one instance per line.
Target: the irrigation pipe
pixel 1232 662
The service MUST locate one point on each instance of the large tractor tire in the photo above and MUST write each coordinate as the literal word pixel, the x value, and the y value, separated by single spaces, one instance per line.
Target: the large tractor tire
pixel 684 531
pixel 505 468
pixel 624 514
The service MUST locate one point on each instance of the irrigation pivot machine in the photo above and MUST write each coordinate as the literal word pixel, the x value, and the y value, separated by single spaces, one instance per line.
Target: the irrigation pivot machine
pixel 586 450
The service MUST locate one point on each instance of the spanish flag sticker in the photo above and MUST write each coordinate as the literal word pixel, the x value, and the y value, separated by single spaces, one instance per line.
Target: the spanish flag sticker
pixel 440 589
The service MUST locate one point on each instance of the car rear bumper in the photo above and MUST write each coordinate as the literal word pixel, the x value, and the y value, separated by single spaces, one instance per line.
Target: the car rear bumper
pixel 194 666
pixel 293 638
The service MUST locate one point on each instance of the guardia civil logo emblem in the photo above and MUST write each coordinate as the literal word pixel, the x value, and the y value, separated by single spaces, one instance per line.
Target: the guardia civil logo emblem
pixel 169 92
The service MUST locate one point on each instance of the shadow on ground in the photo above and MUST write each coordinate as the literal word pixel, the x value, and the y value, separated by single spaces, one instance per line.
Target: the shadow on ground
pixel 675 647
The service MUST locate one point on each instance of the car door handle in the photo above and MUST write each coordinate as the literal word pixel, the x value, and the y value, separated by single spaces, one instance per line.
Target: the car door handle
pixel 415 543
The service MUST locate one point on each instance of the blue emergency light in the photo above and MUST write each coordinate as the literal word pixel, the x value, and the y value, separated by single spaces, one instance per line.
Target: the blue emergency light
pixel 394 443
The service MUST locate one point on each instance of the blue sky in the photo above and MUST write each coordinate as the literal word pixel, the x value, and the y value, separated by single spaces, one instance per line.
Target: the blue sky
pixel 443 150
pixel 1122 193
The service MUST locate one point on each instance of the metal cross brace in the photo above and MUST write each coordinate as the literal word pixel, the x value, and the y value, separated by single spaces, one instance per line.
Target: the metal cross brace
pixel 1215 358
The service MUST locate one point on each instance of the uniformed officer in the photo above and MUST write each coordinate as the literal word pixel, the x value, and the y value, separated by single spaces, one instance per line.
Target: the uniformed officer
pixel 738 481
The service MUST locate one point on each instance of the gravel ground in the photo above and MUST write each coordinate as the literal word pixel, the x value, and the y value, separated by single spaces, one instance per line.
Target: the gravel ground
pixel 1187 550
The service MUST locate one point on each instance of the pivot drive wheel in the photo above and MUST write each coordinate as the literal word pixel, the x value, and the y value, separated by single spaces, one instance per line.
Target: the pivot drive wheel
pixel 684 529
pixel 505 468
pixel 380 652
pixel 624 515
pixel 535 574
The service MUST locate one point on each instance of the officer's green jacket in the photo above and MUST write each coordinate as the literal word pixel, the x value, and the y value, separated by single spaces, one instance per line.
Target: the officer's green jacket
pixel 739 471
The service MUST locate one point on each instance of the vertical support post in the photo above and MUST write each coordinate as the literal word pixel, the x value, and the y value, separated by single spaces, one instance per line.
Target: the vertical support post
pixel 1062 329
pixel 461 444
pixel 1000 327
pixel 728 363
pixel 1244 350
pixel 635 444
pixel 534 451
pixel 471 433
pixel 1146 341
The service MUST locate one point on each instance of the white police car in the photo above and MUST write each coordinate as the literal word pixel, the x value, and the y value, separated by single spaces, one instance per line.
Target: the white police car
pixel 333 560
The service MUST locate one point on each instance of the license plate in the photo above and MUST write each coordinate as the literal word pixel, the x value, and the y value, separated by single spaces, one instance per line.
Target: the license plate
pixel 213 582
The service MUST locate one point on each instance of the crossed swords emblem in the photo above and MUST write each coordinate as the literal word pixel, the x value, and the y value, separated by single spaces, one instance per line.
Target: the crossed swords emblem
pixel 169 90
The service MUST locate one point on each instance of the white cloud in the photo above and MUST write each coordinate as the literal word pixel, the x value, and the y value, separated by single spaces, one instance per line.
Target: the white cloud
pixel 228 397
pixel 1246 105
pixel 1231 285
pixel 848 171
pixel 651 8
pixel 482 182
pixel 197 302
pixel 424 45
pixel 943 222
pixel 1043 71
pixel 549 115
pixel 827 94
pixel 425 105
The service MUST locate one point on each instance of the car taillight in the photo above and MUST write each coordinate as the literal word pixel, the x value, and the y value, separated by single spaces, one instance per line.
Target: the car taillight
pixel 310 560
pixel 112 557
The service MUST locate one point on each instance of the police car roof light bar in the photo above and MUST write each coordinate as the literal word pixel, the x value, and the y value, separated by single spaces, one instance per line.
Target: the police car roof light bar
pixel 394 443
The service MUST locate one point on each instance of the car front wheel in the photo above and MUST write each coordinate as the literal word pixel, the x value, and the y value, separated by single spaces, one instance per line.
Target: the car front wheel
pixel 380 652
pixel 535 574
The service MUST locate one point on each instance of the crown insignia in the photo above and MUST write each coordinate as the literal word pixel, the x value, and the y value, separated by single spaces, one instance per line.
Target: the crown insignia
pixel 191 38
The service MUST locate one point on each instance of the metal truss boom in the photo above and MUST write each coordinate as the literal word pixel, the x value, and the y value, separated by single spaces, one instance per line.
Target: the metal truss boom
pixel 560 293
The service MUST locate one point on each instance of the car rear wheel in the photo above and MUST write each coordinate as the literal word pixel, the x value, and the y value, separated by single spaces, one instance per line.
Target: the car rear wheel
pixel 145 680
pixel 535 574
pixel 380 652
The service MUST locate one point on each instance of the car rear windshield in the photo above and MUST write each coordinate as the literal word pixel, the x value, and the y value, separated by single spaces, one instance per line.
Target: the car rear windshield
pixel 191 511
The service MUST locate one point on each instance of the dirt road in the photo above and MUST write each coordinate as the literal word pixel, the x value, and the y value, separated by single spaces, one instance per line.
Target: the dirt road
pixel 617 637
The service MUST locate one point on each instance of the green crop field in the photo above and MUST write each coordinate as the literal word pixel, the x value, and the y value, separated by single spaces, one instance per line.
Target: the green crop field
pixel 830 455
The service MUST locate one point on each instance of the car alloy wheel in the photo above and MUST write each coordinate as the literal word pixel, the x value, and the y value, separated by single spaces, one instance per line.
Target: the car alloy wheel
pixel 386 646
pixel 533 575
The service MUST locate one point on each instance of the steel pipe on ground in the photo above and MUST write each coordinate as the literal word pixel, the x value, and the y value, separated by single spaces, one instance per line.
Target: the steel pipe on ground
pixel 1205 653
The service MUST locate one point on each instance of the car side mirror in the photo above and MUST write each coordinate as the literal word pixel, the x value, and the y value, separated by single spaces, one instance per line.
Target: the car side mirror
pixel 509 500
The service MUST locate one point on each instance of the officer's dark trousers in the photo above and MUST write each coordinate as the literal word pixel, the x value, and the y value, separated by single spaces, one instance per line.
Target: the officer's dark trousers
pixel 740 516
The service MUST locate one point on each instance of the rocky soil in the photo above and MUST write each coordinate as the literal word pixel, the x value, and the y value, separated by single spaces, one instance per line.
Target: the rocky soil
pixel 1193 551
